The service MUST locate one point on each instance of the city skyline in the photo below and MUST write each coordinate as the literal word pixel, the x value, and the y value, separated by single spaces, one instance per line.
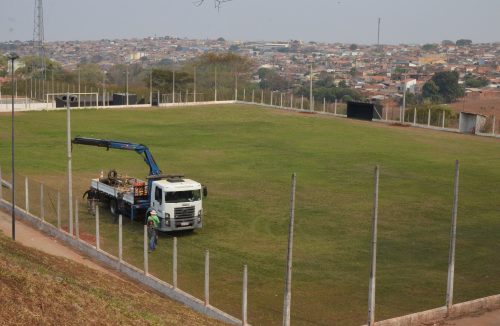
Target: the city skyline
pixel 353 21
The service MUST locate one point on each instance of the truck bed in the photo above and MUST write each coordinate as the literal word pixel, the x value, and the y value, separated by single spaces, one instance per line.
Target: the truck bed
pixel 126 192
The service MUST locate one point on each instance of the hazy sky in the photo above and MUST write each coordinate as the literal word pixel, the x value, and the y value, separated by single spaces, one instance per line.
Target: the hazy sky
pixel 348 21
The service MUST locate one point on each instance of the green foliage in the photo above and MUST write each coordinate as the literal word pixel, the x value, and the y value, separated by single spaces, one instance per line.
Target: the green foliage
pixel 476 82
pixel 246 155
pixel 443 87
pixel 162 79
pixel 411 99
pixel 429 47
pixel 464 42
pixel 353 47
pixel 271 79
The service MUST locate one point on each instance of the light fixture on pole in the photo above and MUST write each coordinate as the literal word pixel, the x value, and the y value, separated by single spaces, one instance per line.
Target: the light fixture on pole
pixel 12 57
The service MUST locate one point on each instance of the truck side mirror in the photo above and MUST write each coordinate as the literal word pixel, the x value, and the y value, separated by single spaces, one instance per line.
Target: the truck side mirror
pixel 205 191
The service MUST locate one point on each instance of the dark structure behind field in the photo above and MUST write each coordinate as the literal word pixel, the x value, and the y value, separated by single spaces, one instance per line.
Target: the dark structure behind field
pixel 360 110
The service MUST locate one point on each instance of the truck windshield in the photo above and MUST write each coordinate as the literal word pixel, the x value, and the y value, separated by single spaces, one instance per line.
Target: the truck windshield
pixel 182 196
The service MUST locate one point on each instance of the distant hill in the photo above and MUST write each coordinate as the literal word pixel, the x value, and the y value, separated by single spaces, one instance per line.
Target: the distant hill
pixel 40 289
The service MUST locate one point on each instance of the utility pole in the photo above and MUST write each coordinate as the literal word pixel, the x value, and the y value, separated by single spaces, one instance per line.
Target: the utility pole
pixel 194 86
pixel 151 88
pixel 404 99
pixel 127 87
pixel 173 86
pixel 38 39
pixel 311 98
pixel 378 35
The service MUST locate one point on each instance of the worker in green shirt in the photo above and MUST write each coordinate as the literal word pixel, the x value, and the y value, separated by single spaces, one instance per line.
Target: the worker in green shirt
pixel 152 224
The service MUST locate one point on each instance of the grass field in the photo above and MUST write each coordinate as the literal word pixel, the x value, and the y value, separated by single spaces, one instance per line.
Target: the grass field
pixel 245 155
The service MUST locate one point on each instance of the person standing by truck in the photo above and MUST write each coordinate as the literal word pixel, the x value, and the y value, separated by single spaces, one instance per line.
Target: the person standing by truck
pixel 152 224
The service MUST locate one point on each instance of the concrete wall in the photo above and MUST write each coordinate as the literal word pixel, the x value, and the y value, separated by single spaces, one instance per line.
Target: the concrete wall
pixel 125 268
pixel 439 314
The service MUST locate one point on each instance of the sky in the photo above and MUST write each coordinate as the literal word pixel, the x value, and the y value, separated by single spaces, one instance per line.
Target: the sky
pixel 345 21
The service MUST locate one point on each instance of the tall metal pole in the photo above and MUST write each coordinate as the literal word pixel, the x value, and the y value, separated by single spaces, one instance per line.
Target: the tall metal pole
pixel 79 89
pixel 236 86
pixel 70 176
pixel 12 58
pixel 373 267
pixel 288 277
pixel 453 236
pixel 401 116
pixel 151 88
pixel 173 86
pixel 215 84
pixel 311 98
pixel 127 87
pixel 194 85
pixel 378 36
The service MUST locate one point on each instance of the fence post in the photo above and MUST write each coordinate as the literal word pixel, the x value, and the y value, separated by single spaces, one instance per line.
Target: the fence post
pixel 174 263
pixel 120 239
pixel 444 115
pixel 42 207
pixel 244 94
pixel 324 104
pixel 281 99
pixel 253 95
pixel 373 267
pixel 261 97
pixel 415 116
pixel 494 125
pixel 244 318
pixel 453 236
pixel 302 103
pixel 207 278
pixel 335 110
pixel 77 224
pixel 58 210
pixel 288 275
pixel 146 249
pixel 291 100
pixel 97 240
pixel 272 98
pixel 429 118
pixel 26 195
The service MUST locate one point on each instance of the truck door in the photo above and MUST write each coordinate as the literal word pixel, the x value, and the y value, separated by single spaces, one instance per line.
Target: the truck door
pixel 158 200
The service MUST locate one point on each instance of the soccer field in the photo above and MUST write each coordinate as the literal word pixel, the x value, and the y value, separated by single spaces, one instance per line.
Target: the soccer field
pixel 246 155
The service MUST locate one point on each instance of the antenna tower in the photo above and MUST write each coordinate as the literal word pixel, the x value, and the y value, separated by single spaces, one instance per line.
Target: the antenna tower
pixel 38 40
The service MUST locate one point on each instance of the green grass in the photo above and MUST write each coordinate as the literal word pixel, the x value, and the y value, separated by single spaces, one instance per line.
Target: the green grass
pixel 245 155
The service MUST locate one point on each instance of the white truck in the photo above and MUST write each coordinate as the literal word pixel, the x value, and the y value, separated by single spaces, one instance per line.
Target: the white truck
pixel 177 200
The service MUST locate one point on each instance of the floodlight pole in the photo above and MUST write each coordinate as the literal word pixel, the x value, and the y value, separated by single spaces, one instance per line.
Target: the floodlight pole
pixel 127 87
pixel 70 176
pixel 194 86
pixel 311 98
pixel 151 88
pixel 13 57
pixel 173 86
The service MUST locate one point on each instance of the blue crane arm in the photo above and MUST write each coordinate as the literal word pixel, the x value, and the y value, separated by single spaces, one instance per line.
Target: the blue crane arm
pixel 140 149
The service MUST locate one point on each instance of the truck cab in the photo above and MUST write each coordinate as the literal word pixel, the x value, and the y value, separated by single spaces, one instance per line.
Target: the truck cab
pixel 178 203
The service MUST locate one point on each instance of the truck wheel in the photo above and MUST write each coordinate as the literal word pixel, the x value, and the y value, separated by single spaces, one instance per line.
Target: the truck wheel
pixel 113 207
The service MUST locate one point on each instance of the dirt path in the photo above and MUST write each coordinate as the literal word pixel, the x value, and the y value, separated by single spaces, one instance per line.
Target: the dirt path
pixel 30 237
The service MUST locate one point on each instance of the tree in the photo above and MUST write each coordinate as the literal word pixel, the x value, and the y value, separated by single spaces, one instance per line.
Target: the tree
pixel 162 79
pixel 464 42
pixel 431 91
pixel 474 82
pixel 443 87
pixel 429 47
pixel 353 47
pixel 410 99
